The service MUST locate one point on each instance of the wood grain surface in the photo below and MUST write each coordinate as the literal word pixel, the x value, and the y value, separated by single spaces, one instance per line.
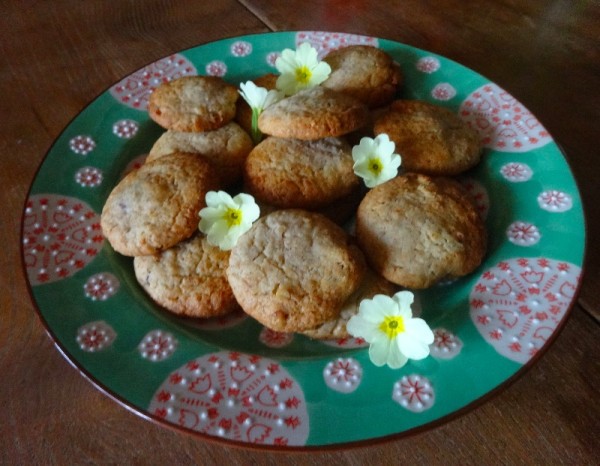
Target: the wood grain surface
pixel 57 56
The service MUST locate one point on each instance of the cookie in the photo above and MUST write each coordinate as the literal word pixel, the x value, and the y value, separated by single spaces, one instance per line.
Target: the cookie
pixel 416 230
pixel 371 285
pixel 225 148
pixel 364 72
pixel 157 205
pixel 293 270
pixel 313 114
pixel 294 173
pixel 188 279
pixel 193 103
pixel 431 139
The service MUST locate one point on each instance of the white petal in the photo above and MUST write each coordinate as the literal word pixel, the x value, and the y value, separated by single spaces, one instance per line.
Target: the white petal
pixel 395 357
pixel 404 300
pixel 411 347
pixel 419 329
pixel 379 350
pixel 360 328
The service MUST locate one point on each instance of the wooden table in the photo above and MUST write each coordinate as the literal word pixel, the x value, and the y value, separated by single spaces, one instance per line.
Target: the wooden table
pixel 58 55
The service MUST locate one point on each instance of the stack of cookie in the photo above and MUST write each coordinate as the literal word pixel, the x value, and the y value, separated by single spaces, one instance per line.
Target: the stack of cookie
pixel 297 269
pixel 152 214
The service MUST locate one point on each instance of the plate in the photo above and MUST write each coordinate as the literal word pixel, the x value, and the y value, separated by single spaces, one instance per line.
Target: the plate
pixel 234 381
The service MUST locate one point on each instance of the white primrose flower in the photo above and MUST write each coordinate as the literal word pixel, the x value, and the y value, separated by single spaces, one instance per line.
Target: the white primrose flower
pixel 258 98
pixel 225 219
pixel 300 69
pixel 386 323
pixel 375 161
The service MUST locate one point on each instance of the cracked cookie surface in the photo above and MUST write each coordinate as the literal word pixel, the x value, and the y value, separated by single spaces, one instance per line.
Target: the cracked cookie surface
pixel 293 270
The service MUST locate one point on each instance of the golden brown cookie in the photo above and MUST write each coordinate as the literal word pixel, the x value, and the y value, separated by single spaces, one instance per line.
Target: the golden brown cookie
pixel 225 148
pixel 416 230
pixel 188 279
pixel 313 114
pixel 293 270
pixel 294 173
pixel 157 205
pixel 371 285
pixel 364 72
pixel 431 139
pixel 193 103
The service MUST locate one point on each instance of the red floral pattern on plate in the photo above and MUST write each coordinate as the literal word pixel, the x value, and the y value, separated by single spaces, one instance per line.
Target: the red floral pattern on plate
pixel 502 122
pixel 555 201
pixel 135 89
pixel 517 305
pixel 446 345
pixel 274 339
pixel 157 345
pixel 95 336
pixel 241 48
pixel 443 91
pixel 523 233
pixel 236 396
pixel 82 144
pixel 325 42
pixel 414 392
pixel 428 64
pixel 89 177
pixel 61 235
pixel 216 68
pixel 343 375
pixel 516 172
pixel 101 286
pixel 125 129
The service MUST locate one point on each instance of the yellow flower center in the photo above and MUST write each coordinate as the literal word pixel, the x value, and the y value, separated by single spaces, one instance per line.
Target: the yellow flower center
pixel 303 75
pixel 392 326
pixel 233 217
pixel 375 166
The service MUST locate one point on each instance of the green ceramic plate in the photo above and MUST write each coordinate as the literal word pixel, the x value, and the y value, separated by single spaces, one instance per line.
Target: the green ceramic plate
pixel 231 379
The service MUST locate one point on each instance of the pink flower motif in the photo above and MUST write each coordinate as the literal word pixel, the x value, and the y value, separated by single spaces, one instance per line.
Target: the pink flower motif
pixel 61 235
pixel 101 286
pixel 272 58
pixel 216 68
pixel 555 201
pixel 82 144
pixel 343 375
pixel 414 392
pixel 236 396
pixel 502 122
pixel 325 42
pixel 135 89
pixel 126 129
pixel 241 48
pixel 523 301
pixel 89 177
pixel 443 91
pixel 157 345
pixel 274 339
pixel 516 172
pixel 95 336
pixel 523 233
pixel 445 345
pixel 428 65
